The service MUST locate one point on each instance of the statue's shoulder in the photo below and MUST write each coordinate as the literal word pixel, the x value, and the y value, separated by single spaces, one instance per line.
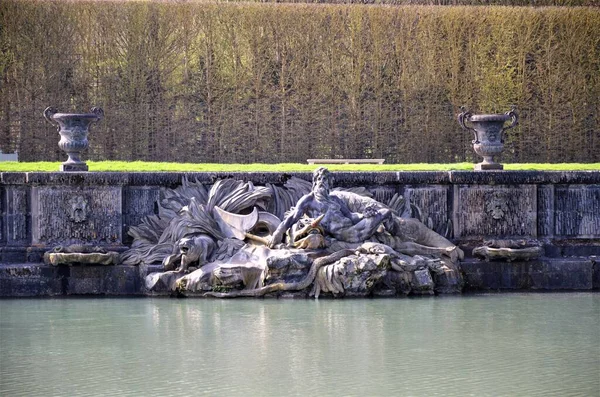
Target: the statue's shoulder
pixel 305 197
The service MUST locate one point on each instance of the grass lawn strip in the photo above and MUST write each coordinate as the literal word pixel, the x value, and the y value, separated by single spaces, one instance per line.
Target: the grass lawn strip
pixel 141 166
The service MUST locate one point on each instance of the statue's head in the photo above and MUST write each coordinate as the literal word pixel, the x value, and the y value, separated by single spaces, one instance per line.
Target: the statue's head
pixel 322 180
pixel 196 248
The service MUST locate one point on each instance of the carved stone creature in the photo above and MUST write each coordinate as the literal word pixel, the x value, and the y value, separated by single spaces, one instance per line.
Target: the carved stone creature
pixel 307 234
pixel 194 249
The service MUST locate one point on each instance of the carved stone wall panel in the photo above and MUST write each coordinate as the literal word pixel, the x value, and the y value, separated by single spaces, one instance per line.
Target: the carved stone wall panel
pixel 85 215
pixel 545 210
pixel 2 215
pixel 16 215
pixel 433 203
pixel 577 211
pixel 138 202
pixel 384 194
pixel 489 211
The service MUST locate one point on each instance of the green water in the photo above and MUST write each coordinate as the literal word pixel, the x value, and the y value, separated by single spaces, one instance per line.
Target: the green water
pixel 488 345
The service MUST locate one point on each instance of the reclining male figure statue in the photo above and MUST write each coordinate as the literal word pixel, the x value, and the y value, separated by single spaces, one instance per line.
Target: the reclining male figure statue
pixel 405 235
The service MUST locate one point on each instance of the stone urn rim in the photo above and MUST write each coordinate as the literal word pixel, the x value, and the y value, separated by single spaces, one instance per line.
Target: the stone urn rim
pixel 467 116
pixel 95 114
pixel 489 117
pixel 79 115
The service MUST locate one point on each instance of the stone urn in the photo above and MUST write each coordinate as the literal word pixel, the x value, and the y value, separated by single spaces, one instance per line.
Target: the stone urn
pixel 73 129
pixel 489 134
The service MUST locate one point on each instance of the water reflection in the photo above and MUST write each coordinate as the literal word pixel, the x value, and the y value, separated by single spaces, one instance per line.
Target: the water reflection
pixel 547 344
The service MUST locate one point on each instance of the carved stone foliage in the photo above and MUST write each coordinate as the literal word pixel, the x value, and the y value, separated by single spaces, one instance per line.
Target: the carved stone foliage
pixel 236 239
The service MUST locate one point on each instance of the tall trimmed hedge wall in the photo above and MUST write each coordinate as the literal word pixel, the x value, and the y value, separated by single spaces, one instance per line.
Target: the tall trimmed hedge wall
pixel 201 82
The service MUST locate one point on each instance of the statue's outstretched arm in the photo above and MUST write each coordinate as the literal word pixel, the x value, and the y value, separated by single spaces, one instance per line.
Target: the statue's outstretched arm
pixel 353 216
pixel 293 217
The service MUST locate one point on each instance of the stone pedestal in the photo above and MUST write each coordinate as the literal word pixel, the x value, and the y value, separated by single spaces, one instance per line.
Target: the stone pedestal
pixel 75 167
pixel 488 167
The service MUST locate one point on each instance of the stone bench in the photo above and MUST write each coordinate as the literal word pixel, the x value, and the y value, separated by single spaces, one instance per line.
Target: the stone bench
pixel 345 161
pixel 9 156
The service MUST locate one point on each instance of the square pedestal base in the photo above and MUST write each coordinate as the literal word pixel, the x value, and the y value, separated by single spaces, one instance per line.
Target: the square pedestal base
pixel 73 167
pixel 488 166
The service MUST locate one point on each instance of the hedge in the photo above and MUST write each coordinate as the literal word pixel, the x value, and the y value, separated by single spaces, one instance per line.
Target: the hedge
pixel 250 82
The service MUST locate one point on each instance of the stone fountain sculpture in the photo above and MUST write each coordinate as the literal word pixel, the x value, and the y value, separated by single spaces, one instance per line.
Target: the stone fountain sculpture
pixel 237 239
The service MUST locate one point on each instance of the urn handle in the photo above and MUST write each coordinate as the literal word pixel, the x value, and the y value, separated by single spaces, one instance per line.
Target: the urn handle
pixel 48 113
pixel 514 116
pixel 98 112
pixel 463 117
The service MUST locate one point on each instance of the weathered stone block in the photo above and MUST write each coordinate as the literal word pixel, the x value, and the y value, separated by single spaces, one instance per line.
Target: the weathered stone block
pixel 2 215
pixel 433 203
pixel 294 267
pixel 76 215
pixel 544 274
pixel 88 280
pixel 496 275
pixel 448 282
pixel 506 211
pixel 138 202
pixel 595 272
pixel 545 210
pixel 577 211
pixel 27 280
pixel 102 280
pixel 16 215
pixel 122 280
pixel 12 255
pixel 384 194
pixel 398 281
pixel 422 281
pixel 572 274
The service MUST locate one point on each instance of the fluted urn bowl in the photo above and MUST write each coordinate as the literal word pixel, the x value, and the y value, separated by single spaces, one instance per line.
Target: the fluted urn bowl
pixel 489 135
pixel 73 129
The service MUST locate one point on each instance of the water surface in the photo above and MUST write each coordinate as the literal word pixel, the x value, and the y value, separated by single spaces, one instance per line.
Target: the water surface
pixel 485 345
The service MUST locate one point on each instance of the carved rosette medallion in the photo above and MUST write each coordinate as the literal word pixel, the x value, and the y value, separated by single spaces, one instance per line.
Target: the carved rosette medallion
pixel 78 209
pixel 496 206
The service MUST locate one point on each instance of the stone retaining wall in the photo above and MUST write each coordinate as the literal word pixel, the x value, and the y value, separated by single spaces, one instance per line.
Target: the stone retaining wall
pixel 559 209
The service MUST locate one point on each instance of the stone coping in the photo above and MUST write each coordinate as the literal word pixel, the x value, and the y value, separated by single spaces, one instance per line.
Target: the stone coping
pixel 342 178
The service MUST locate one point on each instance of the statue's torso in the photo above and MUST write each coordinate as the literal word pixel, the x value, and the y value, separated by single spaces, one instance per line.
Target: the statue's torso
pixel 334 217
